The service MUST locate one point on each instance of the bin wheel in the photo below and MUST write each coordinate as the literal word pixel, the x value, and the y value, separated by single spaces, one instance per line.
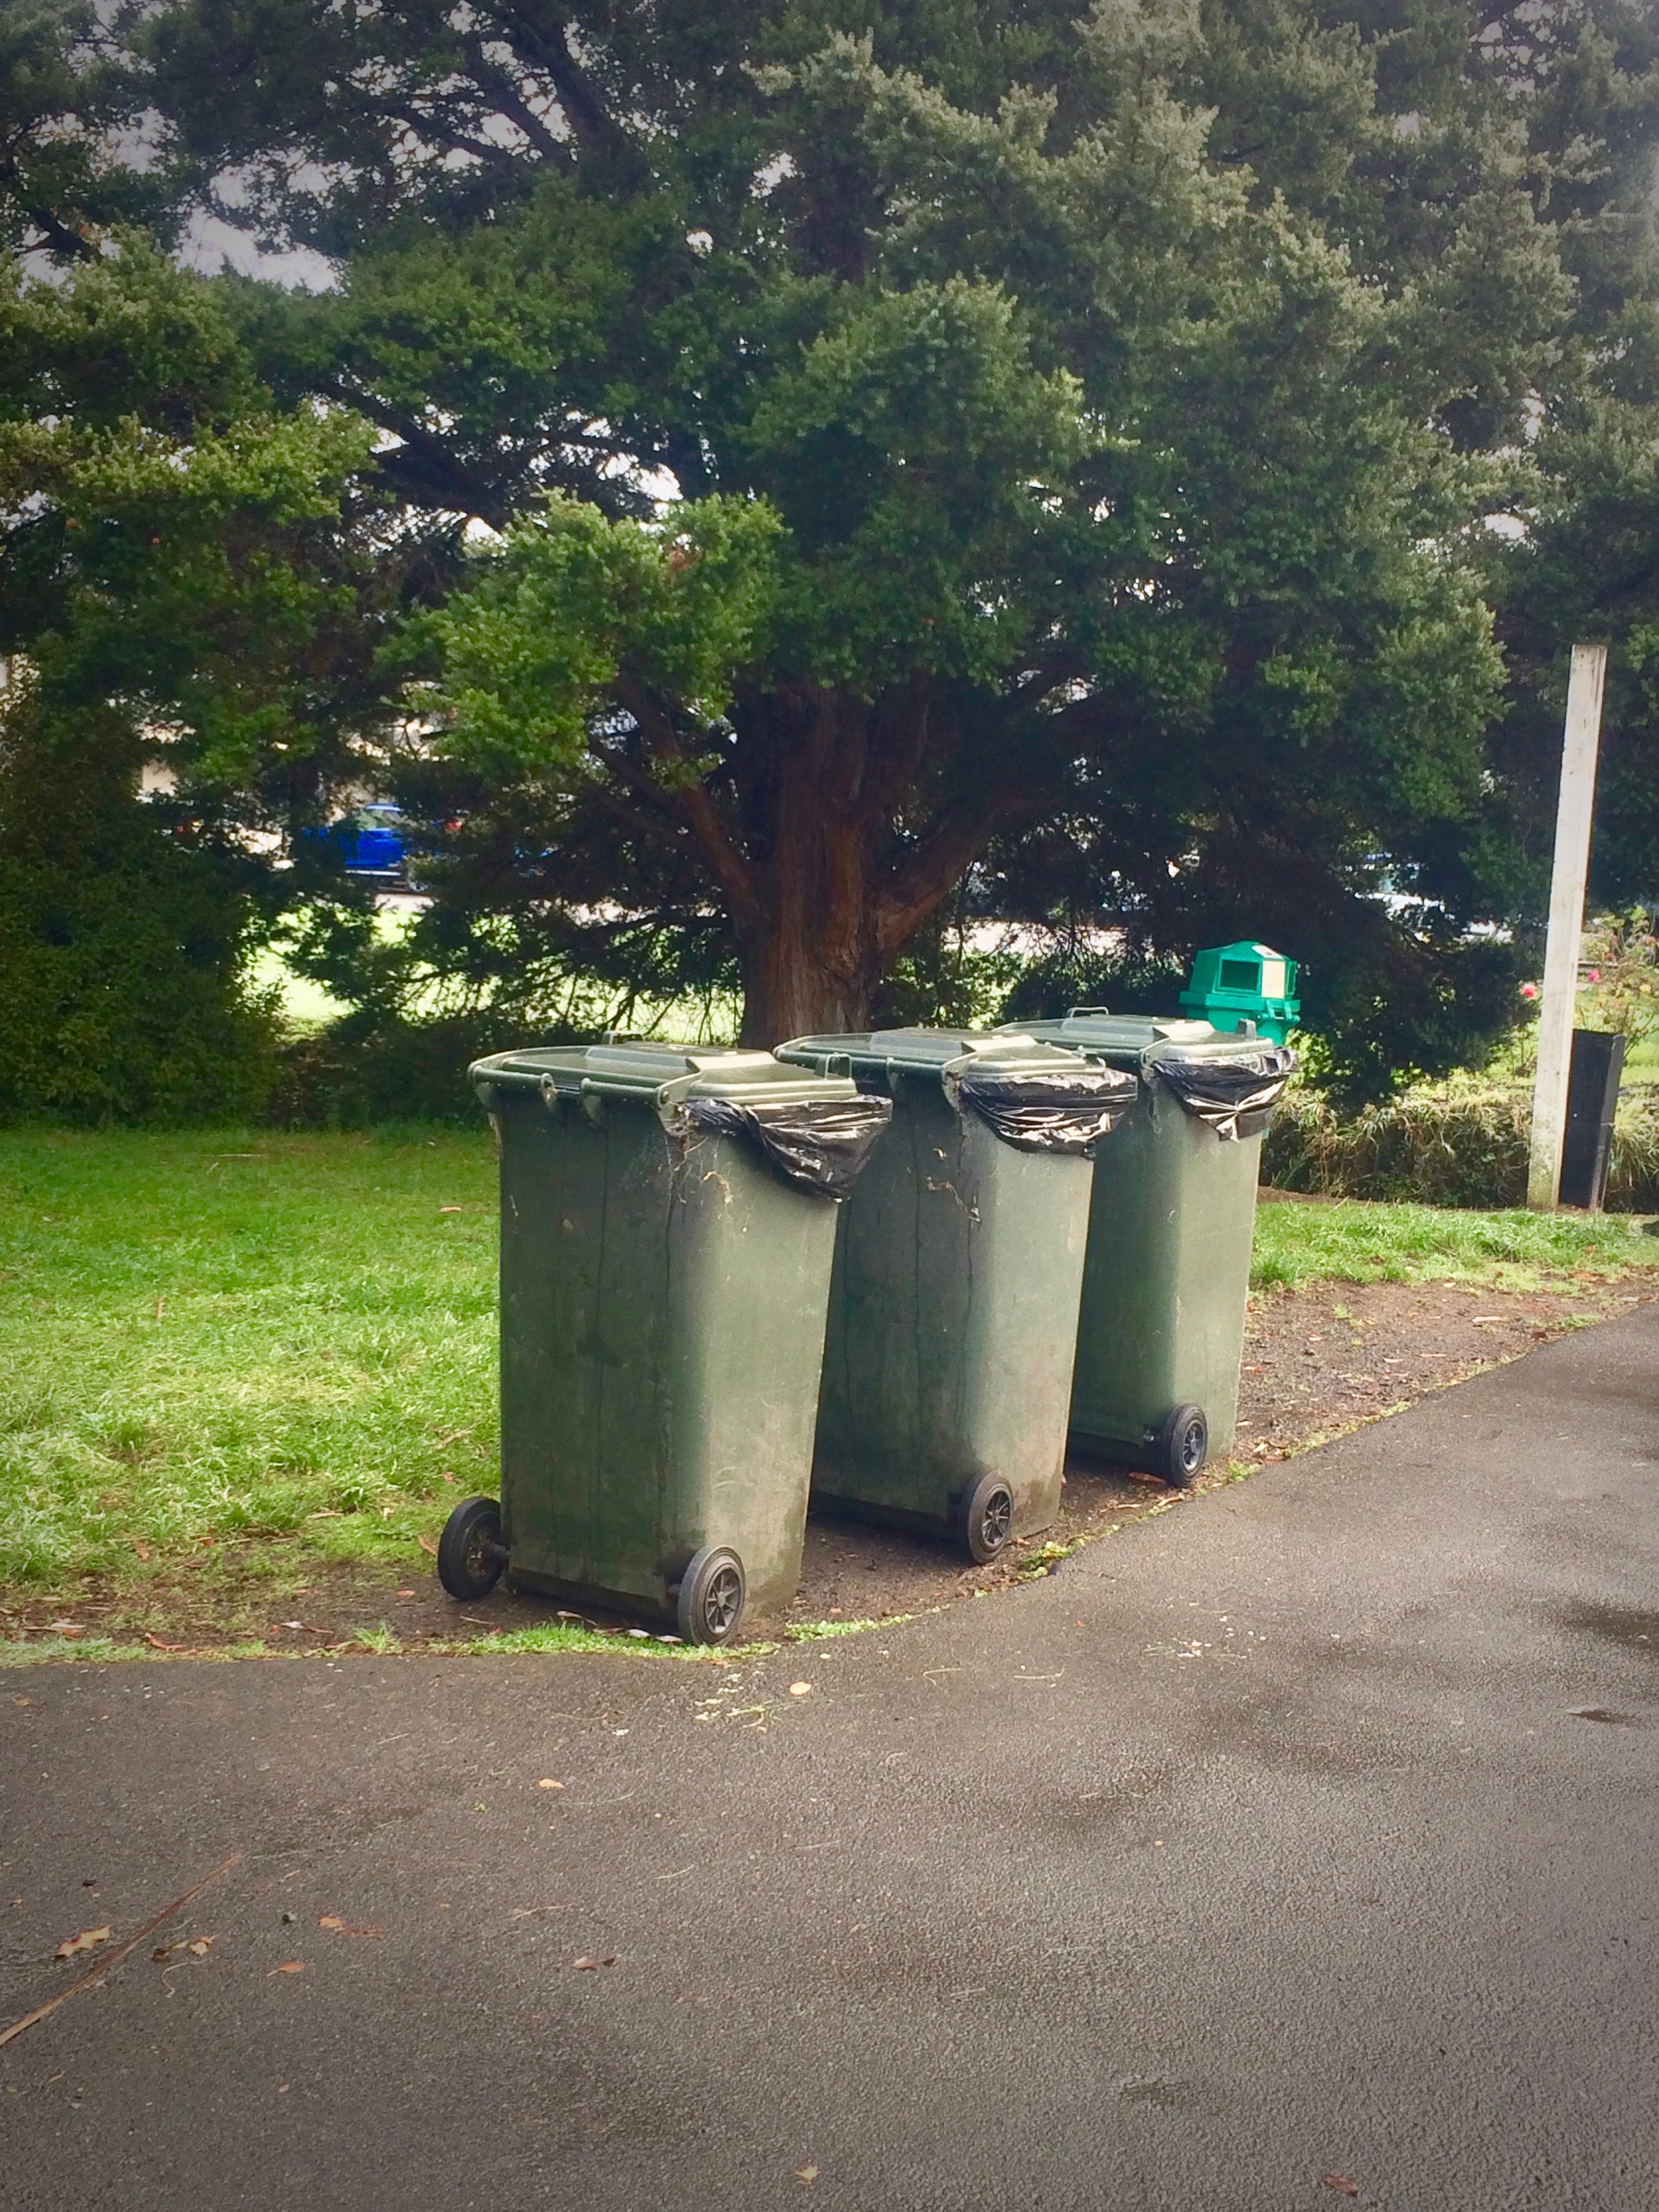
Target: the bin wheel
pixel 470 1553
pixel 711 1596
pixel 1180 1446
pixel 985 1519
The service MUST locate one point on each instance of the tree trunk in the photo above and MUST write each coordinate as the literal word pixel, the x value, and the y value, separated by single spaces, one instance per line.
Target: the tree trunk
pixel 812 957
pixel 821 903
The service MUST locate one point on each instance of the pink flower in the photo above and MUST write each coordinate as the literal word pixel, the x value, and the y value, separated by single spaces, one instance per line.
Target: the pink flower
pixel 1594 976
pixel 1529 990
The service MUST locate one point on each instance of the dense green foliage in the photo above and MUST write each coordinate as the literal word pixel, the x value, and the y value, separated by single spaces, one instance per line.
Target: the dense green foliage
pixel 177 565
pixel 1080 435
pixel 123 929
pixel 1457 1148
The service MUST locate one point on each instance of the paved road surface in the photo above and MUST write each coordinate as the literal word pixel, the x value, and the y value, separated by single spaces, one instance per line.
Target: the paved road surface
pixel 1308 1830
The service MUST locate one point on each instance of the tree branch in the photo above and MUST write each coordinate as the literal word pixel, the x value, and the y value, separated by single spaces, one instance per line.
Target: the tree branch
pixel 610 802
pixel 925 878
pixel 694 802
pixel 933 868
pixel 886 790
pixel 438 134
pixel 584 110
pixel 426 453
pixel 57 233
pixel 498 83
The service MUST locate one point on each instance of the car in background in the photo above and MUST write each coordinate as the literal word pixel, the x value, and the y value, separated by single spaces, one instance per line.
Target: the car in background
pixel 372 841
pixel 373 837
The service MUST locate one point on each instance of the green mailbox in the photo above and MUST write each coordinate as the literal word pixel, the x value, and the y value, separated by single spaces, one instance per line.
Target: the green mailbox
pixel 1233 984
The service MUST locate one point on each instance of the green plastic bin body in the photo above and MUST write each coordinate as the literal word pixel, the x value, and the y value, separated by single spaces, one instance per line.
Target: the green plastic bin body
pixel 663 1300
pixel 952 1311
pixel 1171 1224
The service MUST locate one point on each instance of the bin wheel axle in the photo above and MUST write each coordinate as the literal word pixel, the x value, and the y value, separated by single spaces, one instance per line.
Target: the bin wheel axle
pixel 1181 1446
pixel 470 1553
pixel 985 1519
pixel 711 1596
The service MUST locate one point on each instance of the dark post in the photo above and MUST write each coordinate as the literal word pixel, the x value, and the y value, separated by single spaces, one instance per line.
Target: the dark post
pixel 1598 1061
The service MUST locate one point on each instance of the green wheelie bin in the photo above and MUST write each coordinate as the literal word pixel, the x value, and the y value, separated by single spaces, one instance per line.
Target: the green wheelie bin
pixel 668 1225
pixel 958 1263
pixel 1161 1328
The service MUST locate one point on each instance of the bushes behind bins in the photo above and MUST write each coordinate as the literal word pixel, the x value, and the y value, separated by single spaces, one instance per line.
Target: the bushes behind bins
pixel 123 929
pixel 1457 1149
pixel 358 1072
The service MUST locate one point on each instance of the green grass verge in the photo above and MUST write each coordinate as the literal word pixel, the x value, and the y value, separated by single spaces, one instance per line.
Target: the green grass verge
pixel 210 1339
pixel 1356 1241
pixel 249 1354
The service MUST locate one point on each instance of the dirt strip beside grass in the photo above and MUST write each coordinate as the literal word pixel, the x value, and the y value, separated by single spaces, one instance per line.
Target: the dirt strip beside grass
pixel 1319 1360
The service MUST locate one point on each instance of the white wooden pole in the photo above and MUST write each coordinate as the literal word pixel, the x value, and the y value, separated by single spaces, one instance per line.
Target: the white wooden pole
pixel 1573 813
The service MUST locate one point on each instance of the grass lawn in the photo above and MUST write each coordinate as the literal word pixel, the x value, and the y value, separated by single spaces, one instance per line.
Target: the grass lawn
pixel 1353 1241
pixel 210 1339
pixel 235 1355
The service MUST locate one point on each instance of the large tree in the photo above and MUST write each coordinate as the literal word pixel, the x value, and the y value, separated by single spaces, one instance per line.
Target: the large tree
pixel 934 441
pixel 180 560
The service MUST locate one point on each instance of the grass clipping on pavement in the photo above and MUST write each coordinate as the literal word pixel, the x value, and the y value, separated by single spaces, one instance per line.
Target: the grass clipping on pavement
pixel 240 1356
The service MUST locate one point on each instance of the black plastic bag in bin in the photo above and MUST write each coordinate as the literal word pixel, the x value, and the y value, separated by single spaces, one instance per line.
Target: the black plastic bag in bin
pixel 1068 1110
pixel 1237 1097
pixel 819 1146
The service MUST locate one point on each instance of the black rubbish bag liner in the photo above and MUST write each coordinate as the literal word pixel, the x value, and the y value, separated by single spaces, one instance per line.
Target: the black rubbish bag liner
pixel 1235 1096
pixel 1068 1111
pixel 820 1145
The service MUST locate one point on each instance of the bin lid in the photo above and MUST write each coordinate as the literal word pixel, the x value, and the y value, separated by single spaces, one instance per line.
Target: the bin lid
pixel 813 1132
pixel 659 1074
pixel 875 1053
pixel 1128 1040
pixel 1228 1080
pixel 1037 1097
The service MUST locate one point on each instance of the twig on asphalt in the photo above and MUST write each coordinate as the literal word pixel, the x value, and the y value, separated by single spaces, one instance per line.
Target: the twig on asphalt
pixel 115 1957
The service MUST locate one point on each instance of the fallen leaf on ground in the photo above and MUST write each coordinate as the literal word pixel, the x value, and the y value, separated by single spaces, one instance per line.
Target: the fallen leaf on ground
pixel 587 1966
pixel 200 1947
pixel 86 1940
pixel 345 1928
pixel 1344 2184
pixel 800 1689
pixel 427 1545
pixel 70 1628
pixel 155 1644
pixel 548 1782
pixel 408 1593
pixel 167 1950
pixel 289 1966
pixel 449 1209
pixel 806 2173
pixel 140 1548
pixel 331 1920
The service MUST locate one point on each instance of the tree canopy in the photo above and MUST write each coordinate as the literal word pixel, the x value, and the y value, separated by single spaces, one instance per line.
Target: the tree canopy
pixel 844 463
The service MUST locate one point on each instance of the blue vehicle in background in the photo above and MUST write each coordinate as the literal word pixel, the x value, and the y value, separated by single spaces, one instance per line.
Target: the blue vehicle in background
pixel 372 841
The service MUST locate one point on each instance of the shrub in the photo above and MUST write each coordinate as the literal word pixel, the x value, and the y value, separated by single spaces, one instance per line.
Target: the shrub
pixel 1458 1149
pixel 123 931
pixel 358 1072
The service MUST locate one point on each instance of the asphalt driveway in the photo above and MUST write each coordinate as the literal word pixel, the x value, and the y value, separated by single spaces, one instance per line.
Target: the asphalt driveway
pixel 1295 1848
